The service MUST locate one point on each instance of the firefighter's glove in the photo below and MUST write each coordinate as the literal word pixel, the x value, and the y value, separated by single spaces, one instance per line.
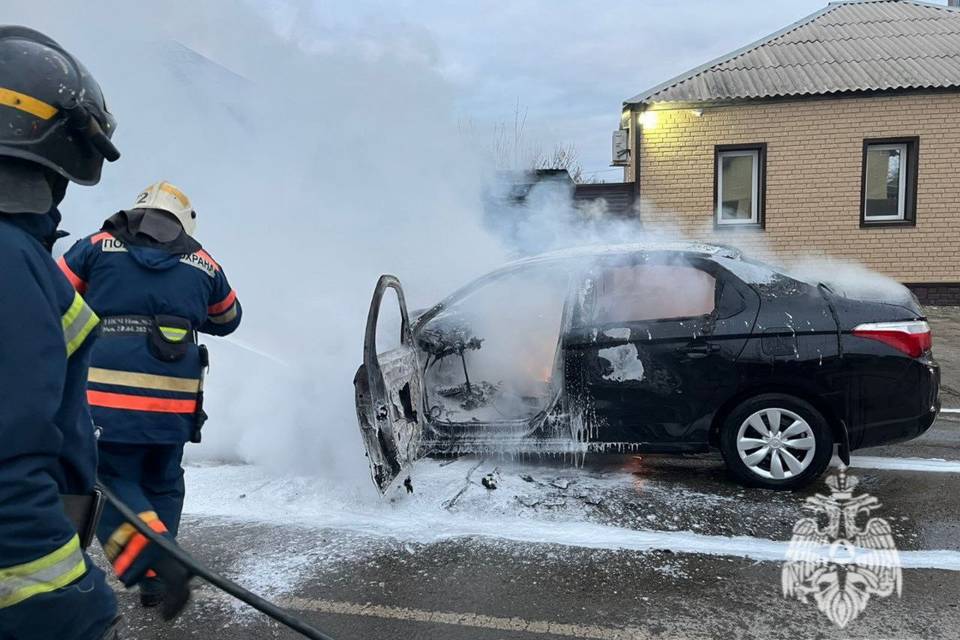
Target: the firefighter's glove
pixel 176 581
pixel 135 558
pixel 129 551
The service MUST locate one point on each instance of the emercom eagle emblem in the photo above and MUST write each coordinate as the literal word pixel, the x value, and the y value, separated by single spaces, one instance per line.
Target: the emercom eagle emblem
pixel 837 563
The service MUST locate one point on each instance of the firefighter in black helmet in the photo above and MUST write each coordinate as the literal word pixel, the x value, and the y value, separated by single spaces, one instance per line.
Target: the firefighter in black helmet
pixel 54 128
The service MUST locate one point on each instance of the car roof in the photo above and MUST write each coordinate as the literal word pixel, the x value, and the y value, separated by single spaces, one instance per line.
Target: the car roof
pixel 600 250
pixel 730 258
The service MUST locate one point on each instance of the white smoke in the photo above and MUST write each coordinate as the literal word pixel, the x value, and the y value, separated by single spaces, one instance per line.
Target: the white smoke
pixel 540 215
pixel 315 164
pixel 850 279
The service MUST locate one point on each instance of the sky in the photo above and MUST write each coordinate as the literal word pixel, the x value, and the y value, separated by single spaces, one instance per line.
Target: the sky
pixel 569 65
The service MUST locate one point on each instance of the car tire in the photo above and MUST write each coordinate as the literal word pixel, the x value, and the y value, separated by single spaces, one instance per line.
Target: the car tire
pixel 776 441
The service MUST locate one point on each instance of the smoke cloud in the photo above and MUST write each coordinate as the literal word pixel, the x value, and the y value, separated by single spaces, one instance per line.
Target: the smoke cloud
pixel 532 217
pixel 850 279
pixel 315 163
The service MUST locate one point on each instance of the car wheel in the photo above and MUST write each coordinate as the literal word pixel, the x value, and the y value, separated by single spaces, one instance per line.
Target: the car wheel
pixel 776 441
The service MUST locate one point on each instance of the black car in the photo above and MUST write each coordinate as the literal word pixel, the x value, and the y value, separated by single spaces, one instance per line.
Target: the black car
pixel 666 349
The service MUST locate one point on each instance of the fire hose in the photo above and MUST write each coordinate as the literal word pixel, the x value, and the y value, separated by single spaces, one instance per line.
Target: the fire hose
pixel 260 604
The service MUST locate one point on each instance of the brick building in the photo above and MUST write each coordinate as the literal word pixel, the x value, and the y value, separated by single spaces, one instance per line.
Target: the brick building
pixel 837 135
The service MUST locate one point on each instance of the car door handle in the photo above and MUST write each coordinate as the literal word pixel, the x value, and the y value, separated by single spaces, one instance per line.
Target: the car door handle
pixel 699 349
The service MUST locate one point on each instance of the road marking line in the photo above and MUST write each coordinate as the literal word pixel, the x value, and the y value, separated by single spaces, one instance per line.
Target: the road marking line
pixel 949 410
pixel 935 465
pixel 478 621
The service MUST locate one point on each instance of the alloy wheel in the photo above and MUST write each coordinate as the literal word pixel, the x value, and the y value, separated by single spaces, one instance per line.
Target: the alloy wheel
pixel 776 444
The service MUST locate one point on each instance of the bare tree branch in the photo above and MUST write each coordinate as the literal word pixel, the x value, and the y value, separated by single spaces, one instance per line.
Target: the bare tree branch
pixel 512 151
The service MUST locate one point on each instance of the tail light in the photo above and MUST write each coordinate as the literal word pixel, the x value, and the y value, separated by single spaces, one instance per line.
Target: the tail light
pixel 912 338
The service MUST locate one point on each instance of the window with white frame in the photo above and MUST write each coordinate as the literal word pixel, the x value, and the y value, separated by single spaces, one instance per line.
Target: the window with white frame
pixel 739 185
pixel 889 181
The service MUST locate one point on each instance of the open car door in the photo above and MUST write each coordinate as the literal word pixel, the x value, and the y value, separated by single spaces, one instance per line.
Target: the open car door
pixel 389 395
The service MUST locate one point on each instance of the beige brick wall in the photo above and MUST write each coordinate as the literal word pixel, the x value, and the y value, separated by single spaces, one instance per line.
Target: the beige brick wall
pixel 814 157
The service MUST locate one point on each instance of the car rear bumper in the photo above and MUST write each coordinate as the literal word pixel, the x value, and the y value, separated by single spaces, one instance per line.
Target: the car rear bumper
pixel 924 398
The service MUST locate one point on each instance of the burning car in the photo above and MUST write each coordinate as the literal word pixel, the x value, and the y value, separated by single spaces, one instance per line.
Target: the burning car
pixel 649 348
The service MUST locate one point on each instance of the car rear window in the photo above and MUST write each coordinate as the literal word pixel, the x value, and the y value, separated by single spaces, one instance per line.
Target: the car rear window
pixel 631 293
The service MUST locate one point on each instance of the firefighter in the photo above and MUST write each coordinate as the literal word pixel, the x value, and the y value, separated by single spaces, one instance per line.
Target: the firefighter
pixel 54 128
pixel 154 287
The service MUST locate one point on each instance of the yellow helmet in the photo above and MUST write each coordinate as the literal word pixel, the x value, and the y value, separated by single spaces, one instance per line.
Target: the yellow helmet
pixel 166 197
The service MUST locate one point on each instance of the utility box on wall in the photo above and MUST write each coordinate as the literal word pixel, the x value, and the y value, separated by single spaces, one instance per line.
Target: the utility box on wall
pixel 621 148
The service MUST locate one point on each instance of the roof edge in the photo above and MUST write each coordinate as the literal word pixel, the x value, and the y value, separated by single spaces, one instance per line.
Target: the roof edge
pixel 919 3
pixel 669 105
pixel 643 97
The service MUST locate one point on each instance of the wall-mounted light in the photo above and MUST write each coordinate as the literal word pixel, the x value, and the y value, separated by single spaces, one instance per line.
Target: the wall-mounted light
pixel 697 112
pixel 647 119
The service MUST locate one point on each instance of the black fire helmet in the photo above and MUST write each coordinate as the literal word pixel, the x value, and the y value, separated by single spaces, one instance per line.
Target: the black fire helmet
pixel 52 111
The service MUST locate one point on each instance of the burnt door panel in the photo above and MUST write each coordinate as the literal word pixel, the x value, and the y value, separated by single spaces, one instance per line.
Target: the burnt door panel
pixel 389 395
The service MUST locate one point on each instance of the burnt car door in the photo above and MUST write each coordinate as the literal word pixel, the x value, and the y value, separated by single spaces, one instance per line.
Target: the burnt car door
pixel 389 394
pixel 652 350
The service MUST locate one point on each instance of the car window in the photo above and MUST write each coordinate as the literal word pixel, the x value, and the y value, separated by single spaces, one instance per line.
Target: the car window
pixel 632 293
pixel 490 353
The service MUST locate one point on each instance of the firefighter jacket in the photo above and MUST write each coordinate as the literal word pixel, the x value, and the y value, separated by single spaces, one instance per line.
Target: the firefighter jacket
pixel 145 372
pixel 48 445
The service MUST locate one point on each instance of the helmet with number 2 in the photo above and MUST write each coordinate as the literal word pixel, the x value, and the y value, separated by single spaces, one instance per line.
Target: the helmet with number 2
pixel 163 196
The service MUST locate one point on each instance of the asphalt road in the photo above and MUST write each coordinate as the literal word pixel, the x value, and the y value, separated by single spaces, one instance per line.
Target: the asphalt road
pixel 549 554
pixel 619 547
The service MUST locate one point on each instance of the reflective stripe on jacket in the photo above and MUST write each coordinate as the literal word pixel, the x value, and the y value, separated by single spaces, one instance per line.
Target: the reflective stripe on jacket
pixel 53 571
pixel 78 322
